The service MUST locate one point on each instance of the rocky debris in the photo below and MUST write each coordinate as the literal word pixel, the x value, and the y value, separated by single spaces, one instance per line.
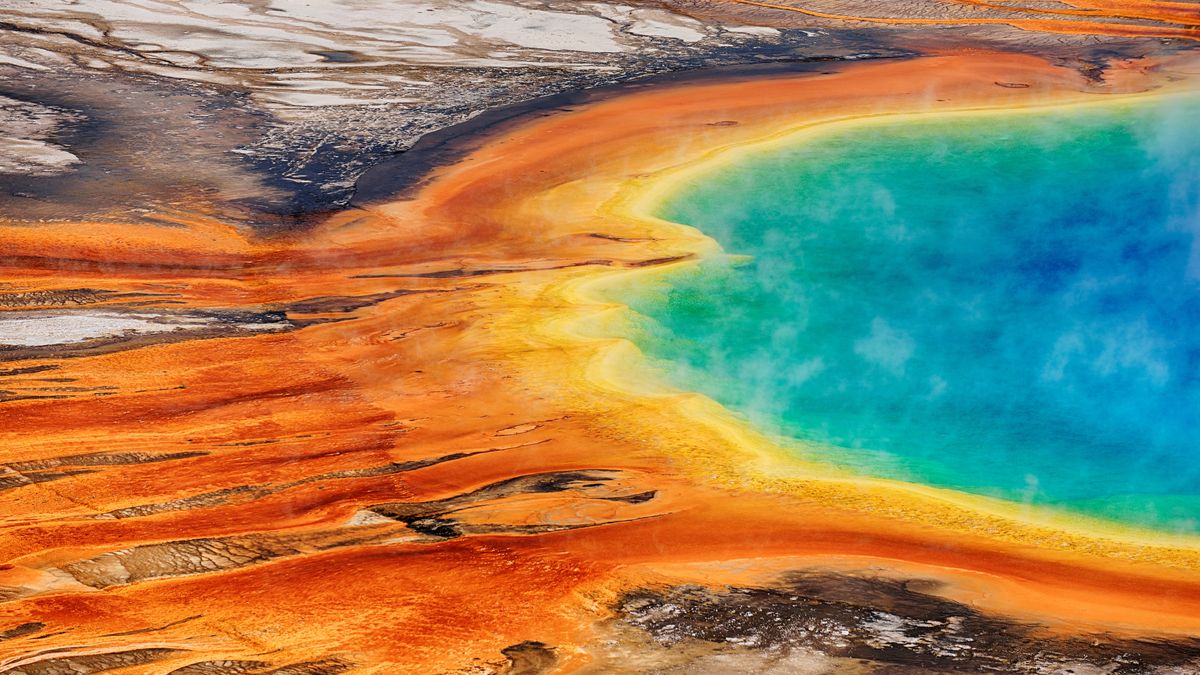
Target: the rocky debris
pixel 223 667
pixel 893 626
pixel 84 664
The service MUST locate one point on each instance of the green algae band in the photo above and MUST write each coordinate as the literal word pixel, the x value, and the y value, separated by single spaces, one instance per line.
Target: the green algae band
pixel 1005 303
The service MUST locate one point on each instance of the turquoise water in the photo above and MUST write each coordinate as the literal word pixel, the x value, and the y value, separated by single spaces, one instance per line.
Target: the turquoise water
pixel 1005 304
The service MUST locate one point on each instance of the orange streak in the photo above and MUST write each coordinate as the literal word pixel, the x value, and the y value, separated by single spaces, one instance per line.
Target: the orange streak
pixel 285 441
pixel 1175 14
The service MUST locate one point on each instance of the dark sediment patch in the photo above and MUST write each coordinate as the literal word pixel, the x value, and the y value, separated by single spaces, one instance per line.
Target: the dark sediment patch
pixel 247 493
pixel 28 370
pixel 31 472
pixel 528 658
pixel 459 273
pixel 85 664
pixel 333 304
pixel 223 667
pixel 435 518
pixel 22 630
pixel 100 459
pixel 143 631
pixel 400 176
pixel 66 297
pixel 10 480
pixel 893 626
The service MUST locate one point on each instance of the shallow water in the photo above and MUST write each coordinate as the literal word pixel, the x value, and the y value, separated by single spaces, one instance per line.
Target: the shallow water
pixel 1002 303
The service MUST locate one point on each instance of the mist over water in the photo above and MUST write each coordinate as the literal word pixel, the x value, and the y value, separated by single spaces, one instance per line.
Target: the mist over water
pixel 1007 304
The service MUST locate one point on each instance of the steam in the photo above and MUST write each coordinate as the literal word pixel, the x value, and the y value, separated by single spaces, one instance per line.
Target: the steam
pixel 1172 138
pixel 1006 307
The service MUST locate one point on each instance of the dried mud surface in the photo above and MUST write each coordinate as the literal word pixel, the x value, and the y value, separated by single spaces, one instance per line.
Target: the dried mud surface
pixel 271 112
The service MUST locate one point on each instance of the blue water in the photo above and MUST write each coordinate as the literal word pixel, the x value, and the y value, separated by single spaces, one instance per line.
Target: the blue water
pixel 1003 304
